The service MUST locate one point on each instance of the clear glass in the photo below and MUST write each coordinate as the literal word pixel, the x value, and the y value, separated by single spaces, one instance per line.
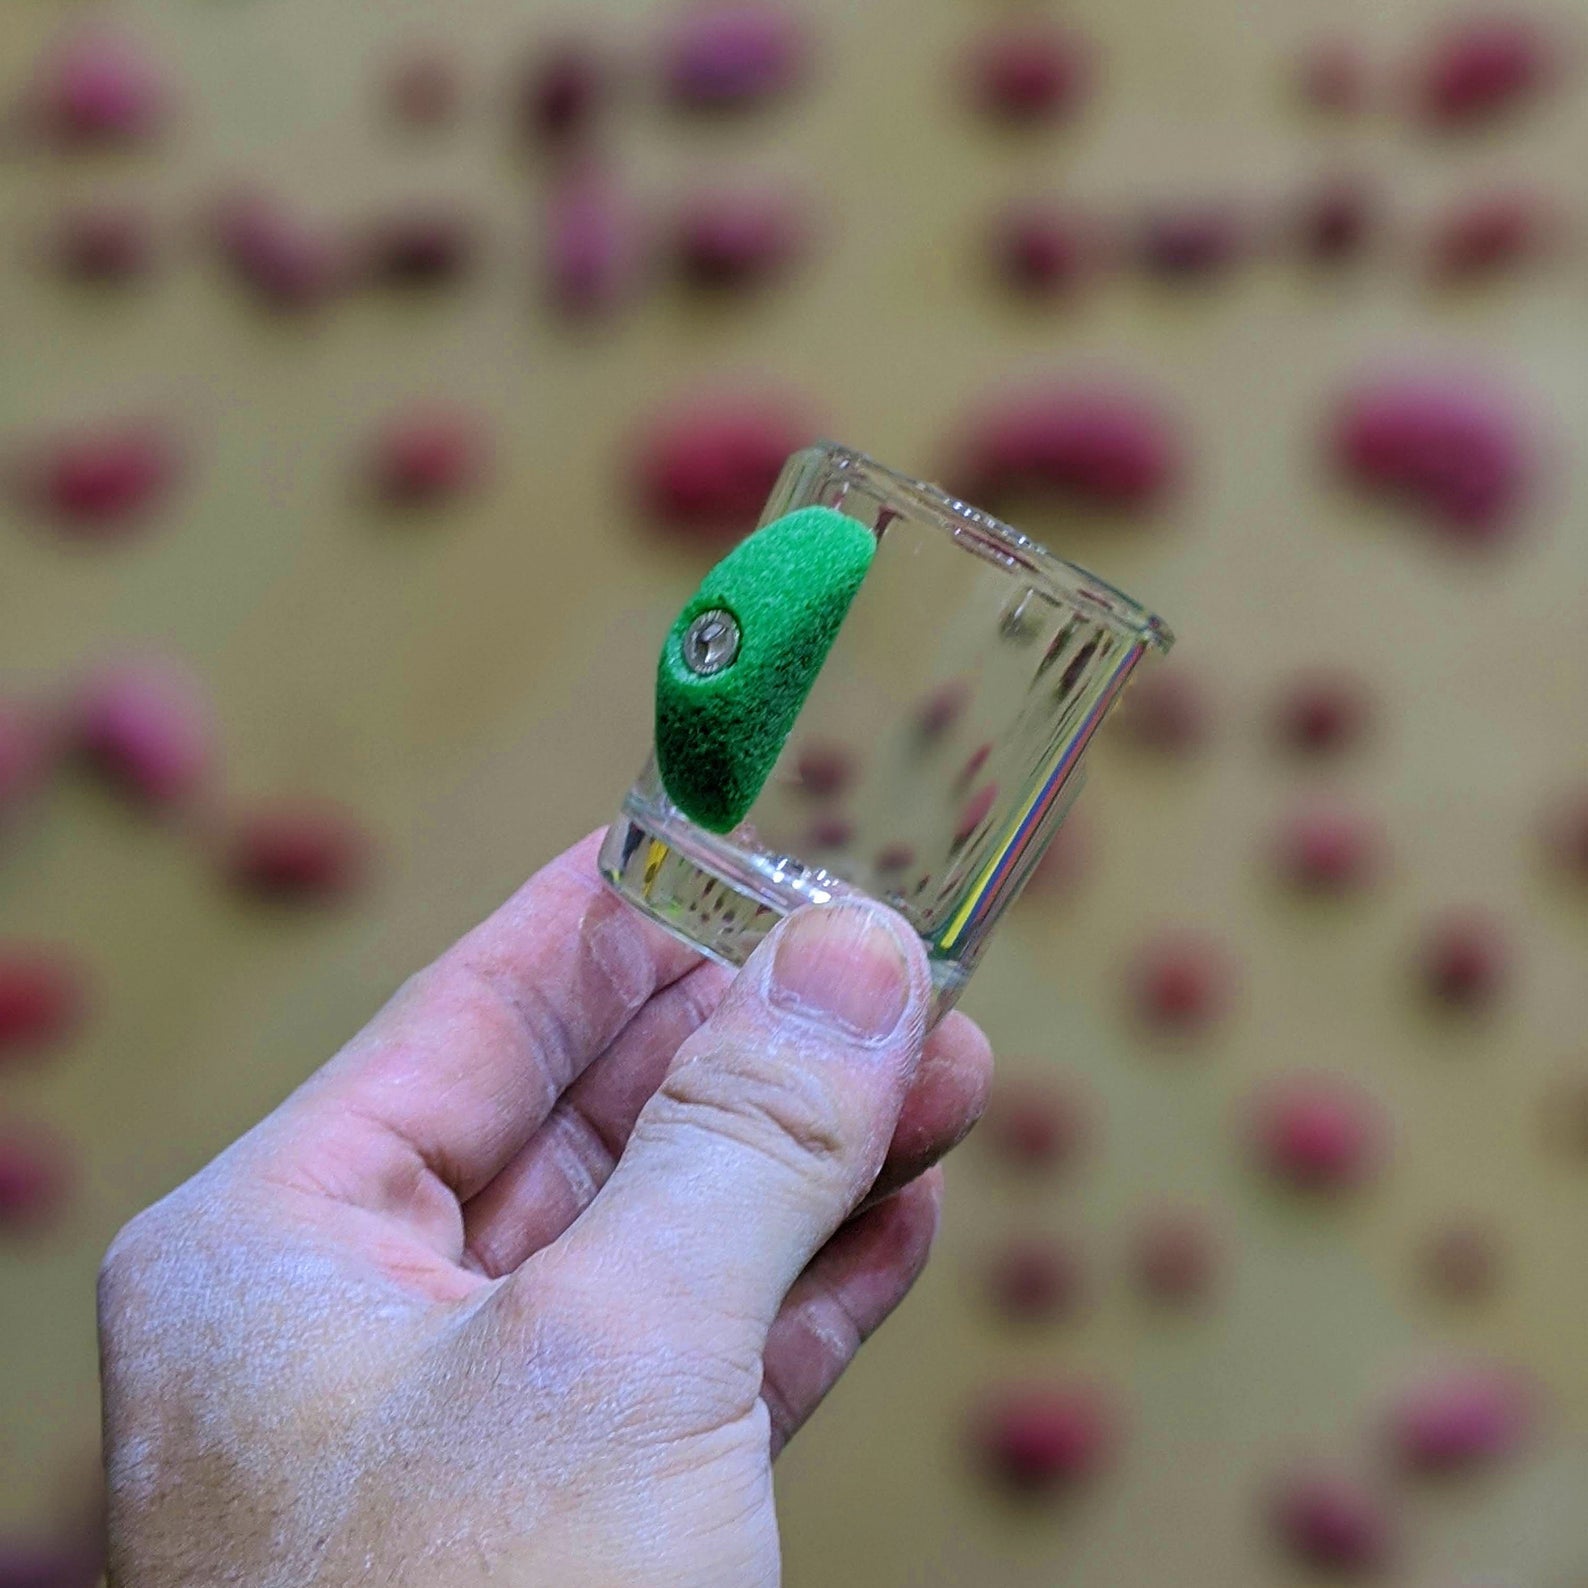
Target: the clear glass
pixel 938 750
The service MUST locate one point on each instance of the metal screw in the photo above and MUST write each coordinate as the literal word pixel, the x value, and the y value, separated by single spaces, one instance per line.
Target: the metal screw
pixel 711 643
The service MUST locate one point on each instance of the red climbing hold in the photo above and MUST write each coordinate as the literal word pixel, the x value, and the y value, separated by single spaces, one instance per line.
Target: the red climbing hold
pixel 1326 849
pixel 823 770
pixel 105 481
pixel 1043 1438
pixel 35 1177
pixel 1025 73
pixel 428 455
pixel 1318 1133
pixel 1335 221
pixel 1034 1126
pixel 1489 234
pixel 1465 960
pixel 738 238
pixel 42 998
pixel 1034 1280
pixel 1182 982
pixel 1324 712
pixel 1044 250
pixel 144 726
pixel 298 852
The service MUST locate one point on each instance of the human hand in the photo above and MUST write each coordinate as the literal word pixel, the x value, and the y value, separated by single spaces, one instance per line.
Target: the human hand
pixel 531 1282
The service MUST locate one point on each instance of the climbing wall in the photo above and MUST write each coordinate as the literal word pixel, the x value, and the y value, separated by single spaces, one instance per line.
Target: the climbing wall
pixel 375 384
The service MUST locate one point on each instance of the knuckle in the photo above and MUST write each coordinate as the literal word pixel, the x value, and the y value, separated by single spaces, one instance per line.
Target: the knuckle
pixel 760 1100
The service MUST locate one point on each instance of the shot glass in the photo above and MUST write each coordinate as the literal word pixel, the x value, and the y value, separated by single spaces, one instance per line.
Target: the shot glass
pixel 937 750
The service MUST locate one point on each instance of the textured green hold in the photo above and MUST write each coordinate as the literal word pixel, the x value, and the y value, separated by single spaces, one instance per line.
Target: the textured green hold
pixel 788 587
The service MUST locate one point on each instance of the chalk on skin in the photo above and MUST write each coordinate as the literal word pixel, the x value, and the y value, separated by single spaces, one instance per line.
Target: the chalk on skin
pixel 1317 1133
pixel 1041 1439
pixel 99 88
pixel 733 54
pixel 298 852
pixel 43 995
pixel 1028 72
pixel 1328 1520
pixel 144 726
pixel 103 481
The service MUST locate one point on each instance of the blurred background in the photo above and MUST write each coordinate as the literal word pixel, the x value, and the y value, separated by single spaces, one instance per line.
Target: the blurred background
pixel 377 380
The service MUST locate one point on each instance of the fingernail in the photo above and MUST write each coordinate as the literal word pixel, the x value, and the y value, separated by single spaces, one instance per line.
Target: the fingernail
pixel 842 966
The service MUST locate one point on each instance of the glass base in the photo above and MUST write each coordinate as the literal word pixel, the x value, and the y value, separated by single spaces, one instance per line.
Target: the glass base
pixel 719 898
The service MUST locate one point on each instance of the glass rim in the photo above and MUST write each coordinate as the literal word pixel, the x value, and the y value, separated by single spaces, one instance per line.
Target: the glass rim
pixel 1065 582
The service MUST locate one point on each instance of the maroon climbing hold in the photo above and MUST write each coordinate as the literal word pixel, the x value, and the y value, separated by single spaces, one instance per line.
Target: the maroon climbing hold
pixel 35 1177
pixel 823 770
pixel 738 238
pixel 1449 447
pixel 831 831
pixel 102 243
pixel 1323 712
pixel 1181 982
pixel 298 852
pixel 706 468
pixel 1318 1132
pixel 1166 711
pixel 1028 72
pixel 144 726
pixel 562 91
pixel 1464 960
pixel 1490 234
pixel 1174 1257
pixel 1461 1421
pixel 1034 1280
pixel 733 54
pixel 1330 1521
pixel 1043 1438
pixel 285 262
pixel 42 998
pixel 1461 1260
pixel 594 244
pixel 428 455
pixel 1481 68
pixel 1034 1126
pixel 1192 242
pixel 1334 75
pixel 1044 250
pixel 103 481
pixel 1336 219
pixel 424 245
pixel 1097 445
pixel 97 87
pixel 942 709
pixel 423 87
pixel 1329 849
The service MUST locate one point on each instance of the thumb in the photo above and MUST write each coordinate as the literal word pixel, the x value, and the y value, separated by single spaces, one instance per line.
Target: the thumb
pixel 773 1120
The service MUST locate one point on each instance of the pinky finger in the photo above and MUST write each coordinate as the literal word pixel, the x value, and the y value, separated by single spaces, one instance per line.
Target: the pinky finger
pixel 849 1289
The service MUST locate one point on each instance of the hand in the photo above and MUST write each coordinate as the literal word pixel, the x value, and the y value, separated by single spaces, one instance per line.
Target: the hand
pixel 530 1283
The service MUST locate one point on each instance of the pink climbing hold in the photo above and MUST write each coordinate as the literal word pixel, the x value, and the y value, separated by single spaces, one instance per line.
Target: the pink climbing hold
pixel 1330 1521
pixel 426 456
pixel 1484 67
pixel 423 87
pixel 1491 234
pixel 1175 1257
pixel 145 728
pixel 35 1178
pixel 1324 712
pixel 738 238
pixel 1335 221
pixel 28 753
pixel 1451 448
pixel 298 852
pixel 103 243
pixel 43 996
pixel 1097 445
pixel 1461 1421
pixel 1193 242
pixel 705 469
pixel 1044 1438
pixel 1329 849
pixel 100 88
pixel 1334 76
pixel 1034 1127
pixel 284 261
pixel 426 244
pixel 1318 1133
pixel 733 54
pixel 595 247
pixel 1028 72
pixel 1044 250
pixel 1182 982
pixel 1465 960
pixel 562 91
pixel 1034 1280
pixel 104 481
pixel 1166 711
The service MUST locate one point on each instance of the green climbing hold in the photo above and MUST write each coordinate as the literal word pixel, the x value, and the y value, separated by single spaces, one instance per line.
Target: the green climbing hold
pixel 729 686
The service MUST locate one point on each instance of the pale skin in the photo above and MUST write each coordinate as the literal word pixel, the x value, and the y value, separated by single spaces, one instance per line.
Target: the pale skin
pixel 531 1282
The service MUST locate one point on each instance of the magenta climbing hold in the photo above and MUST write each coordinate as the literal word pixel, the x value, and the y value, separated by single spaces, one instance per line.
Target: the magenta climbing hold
pixel 706 467
pixel 144 726
pixel 298 852
pixel 1335 221
pixel 595 245
pixel 426 244
pixel 1166 711
pixel 1174 1257
pixel 283 260
pixel 1451 447
pixel 1192 242
pixel 1461 1420
pixel 1044 250
pixel 1035 1126
pixel 1034 1279
pixel 561 92
pixel 738 238
pixel 1489 234
pixel 1329 849
pixel 105 242
pixel 35 1177
pixel 423 87
pixel 1334 75
pixel 103 481
pixel 1028 72
pixel 1483 67
pixel 1043 1438
pixel 98 87
pixel 428 455
pixel 1328 1520
pixel 43 995
pixel 733 54
pixel 1464 960
pixel 1318 1132
pixel 1096 444
pixel 1324 711
pixel 1181 982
